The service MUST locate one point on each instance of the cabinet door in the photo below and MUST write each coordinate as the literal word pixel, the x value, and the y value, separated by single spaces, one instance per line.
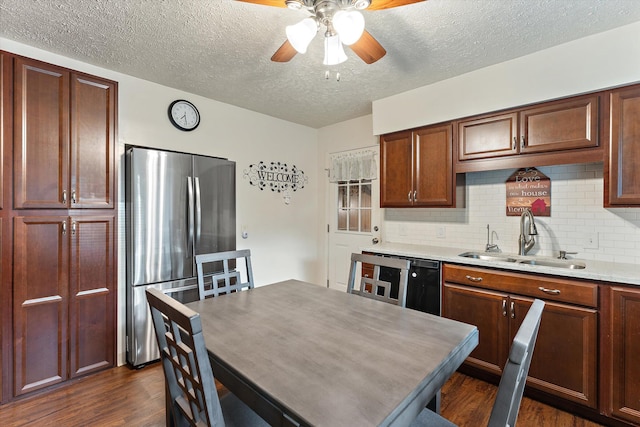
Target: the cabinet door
pixel 565 355
pixel 625 340
pixel 92 294
pixel 623 179
pixel 6 117
pixel 488 311
pixel 396 173
pixel 488 137
pixel 559 126
pixel 41 135
pixel 92 142
pixel 433 166
pixel 40 299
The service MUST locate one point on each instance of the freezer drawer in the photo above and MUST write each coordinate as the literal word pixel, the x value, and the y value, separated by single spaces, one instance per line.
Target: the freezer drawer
pixel 141 340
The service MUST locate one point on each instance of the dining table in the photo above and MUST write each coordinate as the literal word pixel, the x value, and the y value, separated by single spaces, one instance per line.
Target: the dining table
pixel 301 354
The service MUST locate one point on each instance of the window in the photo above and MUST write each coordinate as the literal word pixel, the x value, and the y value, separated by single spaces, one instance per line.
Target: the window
pixel 354 206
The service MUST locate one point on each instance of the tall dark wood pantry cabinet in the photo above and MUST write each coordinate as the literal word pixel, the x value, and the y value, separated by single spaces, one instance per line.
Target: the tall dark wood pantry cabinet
pixel 58 224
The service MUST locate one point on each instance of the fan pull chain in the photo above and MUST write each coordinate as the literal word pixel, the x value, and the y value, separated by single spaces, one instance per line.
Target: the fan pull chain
pixel 327 74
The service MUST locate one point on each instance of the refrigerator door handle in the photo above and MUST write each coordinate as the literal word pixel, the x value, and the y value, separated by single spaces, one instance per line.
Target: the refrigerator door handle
pixel 198 211
pixel 190 216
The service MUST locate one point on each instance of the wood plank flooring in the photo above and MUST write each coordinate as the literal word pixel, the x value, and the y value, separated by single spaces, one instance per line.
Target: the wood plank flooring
pixel 126 397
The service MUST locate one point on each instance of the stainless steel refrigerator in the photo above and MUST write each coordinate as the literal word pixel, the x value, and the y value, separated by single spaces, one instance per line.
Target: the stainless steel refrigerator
pixel 177 205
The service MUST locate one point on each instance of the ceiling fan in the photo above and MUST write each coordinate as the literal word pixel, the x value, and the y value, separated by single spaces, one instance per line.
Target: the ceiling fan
pixel 343 23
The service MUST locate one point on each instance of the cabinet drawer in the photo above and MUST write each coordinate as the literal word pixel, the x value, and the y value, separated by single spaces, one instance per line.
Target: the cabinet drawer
pixel 549 288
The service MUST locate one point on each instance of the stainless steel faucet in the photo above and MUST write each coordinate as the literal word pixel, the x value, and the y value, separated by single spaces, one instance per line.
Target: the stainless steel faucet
pixel 525 244
pixel 491 247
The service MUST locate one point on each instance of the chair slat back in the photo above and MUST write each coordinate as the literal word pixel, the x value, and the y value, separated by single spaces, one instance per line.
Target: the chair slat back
pixel 185 362
pixel 213 281
pixel 514 376
pixel 373 287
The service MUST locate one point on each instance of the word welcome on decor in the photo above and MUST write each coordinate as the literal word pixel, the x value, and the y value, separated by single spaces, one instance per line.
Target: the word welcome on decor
pixel 276 176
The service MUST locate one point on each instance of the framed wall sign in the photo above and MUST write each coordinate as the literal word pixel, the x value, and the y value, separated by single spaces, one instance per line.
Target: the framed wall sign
pixel 528 188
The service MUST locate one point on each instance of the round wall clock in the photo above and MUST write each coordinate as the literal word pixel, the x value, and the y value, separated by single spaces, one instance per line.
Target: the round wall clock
pixel 184 115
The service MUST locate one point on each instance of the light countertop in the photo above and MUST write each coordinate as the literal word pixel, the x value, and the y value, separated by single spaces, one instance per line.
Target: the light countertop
pixel 595 270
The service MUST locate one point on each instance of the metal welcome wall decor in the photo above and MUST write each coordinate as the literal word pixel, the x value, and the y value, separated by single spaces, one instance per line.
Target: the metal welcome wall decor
pixel 276 176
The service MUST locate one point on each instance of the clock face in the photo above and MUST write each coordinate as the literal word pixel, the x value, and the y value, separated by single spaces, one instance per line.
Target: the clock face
pixel 184 115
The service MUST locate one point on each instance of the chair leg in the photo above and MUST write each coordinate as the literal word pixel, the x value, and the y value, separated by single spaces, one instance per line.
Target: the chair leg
pixel 434 404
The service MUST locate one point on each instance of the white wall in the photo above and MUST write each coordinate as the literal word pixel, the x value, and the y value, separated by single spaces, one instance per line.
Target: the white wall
pixel 281 245
pixel 599 61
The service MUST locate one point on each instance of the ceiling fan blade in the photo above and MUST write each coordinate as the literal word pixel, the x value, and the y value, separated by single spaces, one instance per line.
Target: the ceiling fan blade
pixel 368 48
pixel 284 53
pixel 380 4
pixel 275 3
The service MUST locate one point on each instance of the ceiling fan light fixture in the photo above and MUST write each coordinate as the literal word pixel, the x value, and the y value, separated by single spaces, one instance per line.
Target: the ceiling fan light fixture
pixel 349 25
pixel 333 51
pixel 362 4
pixel 294 4
pixel 301 34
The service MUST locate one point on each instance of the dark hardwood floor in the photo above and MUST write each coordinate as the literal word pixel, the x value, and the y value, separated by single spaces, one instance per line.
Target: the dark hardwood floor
pixel 126 397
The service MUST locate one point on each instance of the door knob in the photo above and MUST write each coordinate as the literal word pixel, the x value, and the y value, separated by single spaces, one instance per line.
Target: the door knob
pixel 375 240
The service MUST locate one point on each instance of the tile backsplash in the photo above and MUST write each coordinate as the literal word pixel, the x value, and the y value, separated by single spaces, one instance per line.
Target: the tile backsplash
pixel 578 222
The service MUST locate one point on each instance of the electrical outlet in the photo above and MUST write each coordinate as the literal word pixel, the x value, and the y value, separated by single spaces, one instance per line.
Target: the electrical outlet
pixel 591 240
pixel 440 233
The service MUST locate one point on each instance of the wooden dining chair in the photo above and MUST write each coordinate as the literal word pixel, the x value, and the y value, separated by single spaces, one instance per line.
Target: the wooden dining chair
pixel 192 398
pixel 373 287
pixel 514 376
pixel 215 279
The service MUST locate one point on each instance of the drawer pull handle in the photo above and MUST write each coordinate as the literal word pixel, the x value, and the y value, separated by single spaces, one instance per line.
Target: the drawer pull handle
pixel 473 279
pixel 549 291
pixel 504 308
pixel 513 310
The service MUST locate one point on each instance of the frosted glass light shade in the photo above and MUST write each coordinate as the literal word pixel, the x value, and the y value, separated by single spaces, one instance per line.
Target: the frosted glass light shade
pixel 301 34
pixel 349 25
pixel 333 51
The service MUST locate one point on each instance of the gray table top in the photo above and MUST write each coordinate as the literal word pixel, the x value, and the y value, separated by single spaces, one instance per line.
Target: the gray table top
pixel 332 358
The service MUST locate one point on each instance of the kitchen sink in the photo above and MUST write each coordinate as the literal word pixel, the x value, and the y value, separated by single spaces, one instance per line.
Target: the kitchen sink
pixel 574 265
pixel 488 257
pixel 550 263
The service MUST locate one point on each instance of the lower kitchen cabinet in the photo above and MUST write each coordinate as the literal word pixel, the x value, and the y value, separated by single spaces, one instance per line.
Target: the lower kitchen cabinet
pixel 564 361
pixel 64 298
pixel 624 348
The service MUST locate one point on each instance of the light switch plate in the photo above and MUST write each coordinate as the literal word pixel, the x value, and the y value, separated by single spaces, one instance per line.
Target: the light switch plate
pixel 591 240
pixel 440 233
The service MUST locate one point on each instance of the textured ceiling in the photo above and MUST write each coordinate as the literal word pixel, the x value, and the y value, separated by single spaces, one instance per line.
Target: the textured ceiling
pixel 221 49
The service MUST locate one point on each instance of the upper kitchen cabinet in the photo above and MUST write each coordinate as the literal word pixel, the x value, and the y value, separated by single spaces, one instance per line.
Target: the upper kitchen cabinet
pixel 416 168
pixel 622 170
pixel 64 136
pixel 556 132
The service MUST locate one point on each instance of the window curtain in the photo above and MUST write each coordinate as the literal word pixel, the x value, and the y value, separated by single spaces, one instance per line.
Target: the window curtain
pixel 353 166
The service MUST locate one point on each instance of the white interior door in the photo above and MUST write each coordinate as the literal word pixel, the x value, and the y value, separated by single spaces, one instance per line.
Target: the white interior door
pixel 354 222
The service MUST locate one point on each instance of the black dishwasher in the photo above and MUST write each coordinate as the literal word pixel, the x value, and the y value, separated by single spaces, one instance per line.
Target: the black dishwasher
pixel 423 286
